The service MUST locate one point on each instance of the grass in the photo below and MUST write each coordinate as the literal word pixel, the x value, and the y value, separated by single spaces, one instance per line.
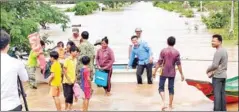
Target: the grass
pixel 226 41
pixel 70 9
pixel 113 9
pixel 175 7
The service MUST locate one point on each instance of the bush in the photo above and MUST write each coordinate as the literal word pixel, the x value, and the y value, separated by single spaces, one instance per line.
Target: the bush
pixel 85 8
pixel 194 3
pixel 70 10
pixel 215 20
pixel 174 6
pixel 92 5
pixel 188 13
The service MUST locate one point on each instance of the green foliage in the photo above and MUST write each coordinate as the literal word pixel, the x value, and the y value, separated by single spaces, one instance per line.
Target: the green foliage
pixel 219 19
pixel 217 5
pixel 173 6
pixel 194 3
pixel 92 5
pixel 176 7
pixel 70 10
pixel 215 20
pixel 21 18
pixel 50 14
pixel 85 8
pixel 115 5
pixel 109 4
pixel 188 13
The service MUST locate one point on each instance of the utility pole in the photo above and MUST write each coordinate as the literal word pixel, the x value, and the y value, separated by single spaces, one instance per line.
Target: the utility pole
pixel 232 19
pixel 201 6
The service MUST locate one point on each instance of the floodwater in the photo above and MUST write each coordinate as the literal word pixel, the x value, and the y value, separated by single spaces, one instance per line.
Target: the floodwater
pixel 157 25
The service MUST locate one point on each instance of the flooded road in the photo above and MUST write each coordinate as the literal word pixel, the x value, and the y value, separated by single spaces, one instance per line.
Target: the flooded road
pixel 127 97
pixel 157 25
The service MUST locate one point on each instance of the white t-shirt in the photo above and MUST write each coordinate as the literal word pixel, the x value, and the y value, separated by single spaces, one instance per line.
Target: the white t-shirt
pixel 11 68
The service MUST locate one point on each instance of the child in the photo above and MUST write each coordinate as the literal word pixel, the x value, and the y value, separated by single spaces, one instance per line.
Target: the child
pixel 68 46
pixel 69 77
pixel 86 82
pixel 55 79
pixel 61 50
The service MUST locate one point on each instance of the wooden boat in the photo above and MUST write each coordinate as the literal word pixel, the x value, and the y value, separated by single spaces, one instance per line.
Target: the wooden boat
pixel 207 88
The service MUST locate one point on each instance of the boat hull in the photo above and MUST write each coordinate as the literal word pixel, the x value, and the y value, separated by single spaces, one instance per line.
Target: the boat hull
pixel 207 89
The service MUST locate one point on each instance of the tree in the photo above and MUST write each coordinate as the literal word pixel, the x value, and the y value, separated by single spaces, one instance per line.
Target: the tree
pixel 21 18
pixel 48 14
pixel 85 8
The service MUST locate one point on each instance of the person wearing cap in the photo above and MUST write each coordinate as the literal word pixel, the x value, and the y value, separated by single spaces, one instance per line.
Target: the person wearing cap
pixel 75 37
pixel 138 32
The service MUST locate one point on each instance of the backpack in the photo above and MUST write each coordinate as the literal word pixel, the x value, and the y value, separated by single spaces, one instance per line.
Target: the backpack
pixel 47 71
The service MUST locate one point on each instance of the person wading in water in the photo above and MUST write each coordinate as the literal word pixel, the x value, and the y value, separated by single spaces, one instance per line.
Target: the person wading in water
pixel 104 61
pixel 169 57
pixel 143 52
pixel 138 32
pixel 218 70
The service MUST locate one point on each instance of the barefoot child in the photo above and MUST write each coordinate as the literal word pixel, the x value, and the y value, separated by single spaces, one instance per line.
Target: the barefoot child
pixel 69 78
pixel 86 81
pixel 55 79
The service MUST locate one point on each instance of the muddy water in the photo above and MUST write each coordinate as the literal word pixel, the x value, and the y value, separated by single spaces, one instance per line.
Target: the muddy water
pixel 157 25
pixel 127 97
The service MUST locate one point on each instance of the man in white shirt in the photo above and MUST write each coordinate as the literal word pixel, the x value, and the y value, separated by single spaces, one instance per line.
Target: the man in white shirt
pixel 11 68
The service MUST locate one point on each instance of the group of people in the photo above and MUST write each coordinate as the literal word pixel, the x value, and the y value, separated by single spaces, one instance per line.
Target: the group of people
pixel 76 64
pixel 140 55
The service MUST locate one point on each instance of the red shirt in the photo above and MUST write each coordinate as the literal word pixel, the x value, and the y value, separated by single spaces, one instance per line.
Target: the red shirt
pixel 86 74
pixel 105 58
pixel 171 57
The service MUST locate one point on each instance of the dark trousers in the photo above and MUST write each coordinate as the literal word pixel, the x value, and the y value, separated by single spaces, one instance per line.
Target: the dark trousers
pixel 18 108
pixel 140 71
pixel 170 84
pixel 219 94
pixel 108 87
pixel 135 63
pixel 68 93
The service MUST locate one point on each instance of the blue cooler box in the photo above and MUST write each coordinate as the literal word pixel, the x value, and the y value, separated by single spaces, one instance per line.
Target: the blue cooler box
pixel 101 78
